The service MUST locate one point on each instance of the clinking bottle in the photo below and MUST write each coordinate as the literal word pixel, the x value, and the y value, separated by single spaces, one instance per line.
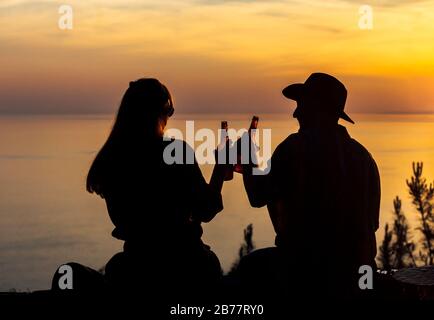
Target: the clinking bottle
pixel 226 142
pixel 238 167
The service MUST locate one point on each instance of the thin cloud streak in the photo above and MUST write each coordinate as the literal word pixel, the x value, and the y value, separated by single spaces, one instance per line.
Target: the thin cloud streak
pixel 247 50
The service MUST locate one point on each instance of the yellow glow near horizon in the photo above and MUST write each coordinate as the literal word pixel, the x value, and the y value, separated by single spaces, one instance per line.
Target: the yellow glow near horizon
pixel 240 48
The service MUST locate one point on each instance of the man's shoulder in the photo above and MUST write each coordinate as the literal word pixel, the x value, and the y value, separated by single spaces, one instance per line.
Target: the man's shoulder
pixel 286 147
pixel 358 148
pixel 355 146
pixel 289 142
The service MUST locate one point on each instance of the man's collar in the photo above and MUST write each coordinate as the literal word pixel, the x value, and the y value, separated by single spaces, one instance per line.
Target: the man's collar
pixel 325 130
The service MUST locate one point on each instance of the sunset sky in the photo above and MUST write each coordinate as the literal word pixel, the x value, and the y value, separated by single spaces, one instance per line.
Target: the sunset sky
pixel 214 55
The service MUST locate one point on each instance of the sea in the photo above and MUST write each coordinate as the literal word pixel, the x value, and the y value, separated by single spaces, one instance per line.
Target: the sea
pixel 47 218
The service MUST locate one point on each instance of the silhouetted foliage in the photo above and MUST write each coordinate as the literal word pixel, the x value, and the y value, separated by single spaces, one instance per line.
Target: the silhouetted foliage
pixel 402 247
pixel 422 195
pixel 385 255
pixel 397 251
pixel 247 247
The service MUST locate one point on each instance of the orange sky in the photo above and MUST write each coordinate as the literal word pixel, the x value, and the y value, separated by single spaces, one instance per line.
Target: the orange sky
pixel 215 55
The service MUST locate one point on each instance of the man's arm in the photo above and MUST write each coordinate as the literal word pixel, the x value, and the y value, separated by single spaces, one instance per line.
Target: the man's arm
pixel 257 186
pixel 278 215
pixel 256 189
pixel 375 190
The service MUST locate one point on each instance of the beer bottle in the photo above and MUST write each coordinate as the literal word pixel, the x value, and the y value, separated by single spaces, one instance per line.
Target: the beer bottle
pixel 239 165
pixel 226 143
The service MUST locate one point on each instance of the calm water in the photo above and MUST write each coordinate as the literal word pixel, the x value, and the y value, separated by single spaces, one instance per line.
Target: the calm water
pixel 47 218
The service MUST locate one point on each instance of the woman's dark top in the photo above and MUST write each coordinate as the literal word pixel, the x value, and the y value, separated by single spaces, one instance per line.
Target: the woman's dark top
pixel 155 203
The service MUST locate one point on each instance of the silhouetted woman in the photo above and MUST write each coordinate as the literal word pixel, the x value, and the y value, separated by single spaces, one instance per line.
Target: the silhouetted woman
pixel 156 208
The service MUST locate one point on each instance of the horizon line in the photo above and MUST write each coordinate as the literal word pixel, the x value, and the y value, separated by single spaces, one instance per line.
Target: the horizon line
pixel 38 114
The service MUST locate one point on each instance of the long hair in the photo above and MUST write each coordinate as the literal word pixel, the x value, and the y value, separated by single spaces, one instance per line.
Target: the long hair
pixel 144 105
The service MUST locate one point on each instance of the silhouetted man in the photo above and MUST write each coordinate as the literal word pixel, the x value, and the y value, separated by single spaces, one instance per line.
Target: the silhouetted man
pixel 323 197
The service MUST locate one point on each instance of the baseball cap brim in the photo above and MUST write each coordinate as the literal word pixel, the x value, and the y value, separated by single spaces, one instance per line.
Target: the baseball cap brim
pixel 297 91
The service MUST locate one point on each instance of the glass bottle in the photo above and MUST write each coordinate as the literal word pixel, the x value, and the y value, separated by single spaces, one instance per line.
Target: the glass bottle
pixel 251 143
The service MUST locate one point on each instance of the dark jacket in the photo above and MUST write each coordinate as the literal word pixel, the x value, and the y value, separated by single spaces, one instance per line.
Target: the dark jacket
pixel 152 202
pixel 323 196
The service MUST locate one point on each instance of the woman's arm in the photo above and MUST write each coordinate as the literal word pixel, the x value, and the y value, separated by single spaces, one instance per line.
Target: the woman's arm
pixel 206 197
pixel 221 170
pixel 218 176
pixel 216 185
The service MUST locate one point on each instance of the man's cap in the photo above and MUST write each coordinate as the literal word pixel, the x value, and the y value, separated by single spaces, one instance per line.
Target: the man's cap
pixel 329 91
